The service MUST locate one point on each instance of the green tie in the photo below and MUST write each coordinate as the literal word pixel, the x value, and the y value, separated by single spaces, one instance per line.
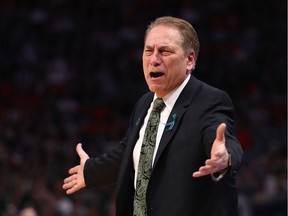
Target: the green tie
pixel 145 160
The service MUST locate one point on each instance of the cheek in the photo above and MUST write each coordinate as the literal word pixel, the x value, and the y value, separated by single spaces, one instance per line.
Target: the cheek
pixel 145 67
pixel 145 72
pixel 178 73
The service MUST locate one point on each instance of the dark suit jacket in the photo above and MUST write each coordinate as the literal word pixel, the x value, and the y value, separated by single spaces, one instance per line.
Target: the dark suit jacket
pixel 172 191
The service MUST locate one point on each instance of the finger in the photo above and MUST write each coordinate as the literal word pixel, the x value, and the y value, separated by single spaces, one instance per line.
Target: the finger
pixel 202 173
pixel 69 184
pixel 74 187
pixel 207 169
pixel 212 163
pixel 197 174
pixel 220 132
pixel 74 170
pixel 80 151
pixel 70 178
pixel 72 190
pixel 204 170
pixel 215 160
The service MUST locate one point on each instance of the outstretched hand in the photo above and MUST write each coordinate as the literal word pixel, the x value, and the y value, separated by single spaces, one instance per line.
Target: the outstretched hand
pixel 219 155
pixel 76 179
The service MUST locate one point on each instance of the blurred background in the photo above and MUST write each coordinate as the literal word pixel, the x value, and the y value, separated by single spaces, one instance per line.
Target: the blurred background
pixel 70 71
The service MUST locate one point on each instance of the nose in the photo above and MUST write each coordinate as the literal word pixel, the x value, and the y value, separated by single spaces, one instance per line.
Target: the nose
pixel 155 59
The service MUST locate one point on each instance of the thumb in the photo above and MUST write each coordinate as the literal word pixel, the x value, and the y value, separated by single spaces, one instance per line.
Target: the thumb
pixel 220 137
pixel 82 154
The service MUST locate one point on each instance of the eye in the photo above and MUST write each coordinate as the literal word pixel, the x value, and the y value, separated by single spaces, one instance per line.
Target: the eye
pixel 166 52
pixel 148 52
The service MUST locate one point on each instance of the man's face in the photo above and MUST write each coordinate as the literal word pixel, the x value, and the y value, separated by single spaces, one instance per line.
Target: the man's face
pixel 165 63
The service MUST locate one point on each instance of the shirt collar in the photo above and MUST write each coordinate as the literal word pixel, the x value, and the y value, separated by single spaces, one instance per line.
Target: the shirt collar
pixel 170 99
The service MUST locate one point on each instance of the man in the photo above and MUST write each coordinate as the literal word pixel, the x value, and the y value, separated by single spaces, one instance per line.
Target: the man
pixel 195 153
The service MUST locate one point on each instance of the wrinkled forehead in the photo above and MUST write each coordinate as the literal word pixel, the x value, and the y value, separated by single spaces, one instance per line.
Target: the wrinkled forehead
pixel 164 34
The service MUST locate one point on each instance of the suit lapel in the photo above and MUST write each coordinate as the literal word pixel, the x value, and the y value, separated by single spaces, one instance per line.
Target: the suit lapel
pixel 178 111
pixel 136 124
pixel 126 174
pixel 140 114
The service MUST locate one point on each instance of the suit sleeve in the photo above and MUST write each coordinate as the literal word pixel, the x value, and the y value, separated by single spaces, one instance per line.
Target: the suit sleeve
pixel 221 110
pixel 103 171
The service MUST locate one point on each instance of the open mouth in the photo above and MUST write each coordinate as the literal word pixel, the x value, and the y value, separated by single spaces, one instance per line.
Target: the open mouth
pixel 156 74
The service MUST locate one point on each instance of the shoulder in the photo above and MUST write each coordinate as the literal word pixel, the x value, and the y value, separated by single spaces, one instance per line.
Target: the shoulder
pixel 143 103
pixel 145 99
pixel 203 85
pixel 207 91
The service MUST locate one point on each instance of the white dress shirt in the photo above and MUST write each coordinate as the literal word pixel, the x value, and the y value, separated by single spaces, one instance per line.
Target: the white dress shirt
pixel 169 101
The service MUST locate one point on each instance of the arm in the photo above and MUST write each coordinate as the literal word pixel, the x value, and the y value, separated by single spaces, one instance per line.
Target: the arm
pixel 223 150
pixel 93 172
pixel 103 171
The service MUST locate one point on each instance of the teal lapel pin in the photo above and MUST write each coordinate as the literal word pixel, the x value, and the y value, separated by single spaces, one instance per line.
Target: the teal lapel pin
pixel 170 125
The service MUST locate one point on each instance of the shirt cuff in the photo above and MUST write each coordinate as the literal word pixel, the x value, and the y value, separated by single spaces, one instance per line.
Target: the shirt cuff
pixel 221 173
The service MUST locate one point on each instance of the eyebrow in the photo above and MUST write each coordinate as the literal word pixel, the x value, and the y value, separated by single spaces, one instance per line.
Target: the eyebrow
pixel 160 47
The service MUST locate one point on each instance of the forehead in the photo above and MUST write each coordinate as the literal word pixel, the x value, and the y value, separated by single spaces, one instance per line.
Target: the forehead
pixel 164 35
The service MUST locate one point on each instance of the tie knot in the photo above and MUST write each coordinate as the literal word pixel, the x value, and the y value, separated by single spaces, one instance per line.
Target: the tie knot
pixel 158 105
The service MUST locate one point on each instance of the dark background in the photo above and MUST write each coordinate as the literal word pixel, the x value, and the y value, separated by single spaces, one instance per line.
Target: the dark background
pixel 71 72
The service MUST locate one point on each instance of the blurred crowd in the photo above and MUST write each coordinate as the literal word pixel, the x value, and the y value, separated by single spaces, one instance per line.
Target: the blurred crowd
pixel 71 72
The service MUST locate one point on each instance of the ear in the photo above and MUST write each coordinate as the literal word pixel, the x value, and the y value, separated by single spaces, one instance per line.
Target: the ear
pixel 190 61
